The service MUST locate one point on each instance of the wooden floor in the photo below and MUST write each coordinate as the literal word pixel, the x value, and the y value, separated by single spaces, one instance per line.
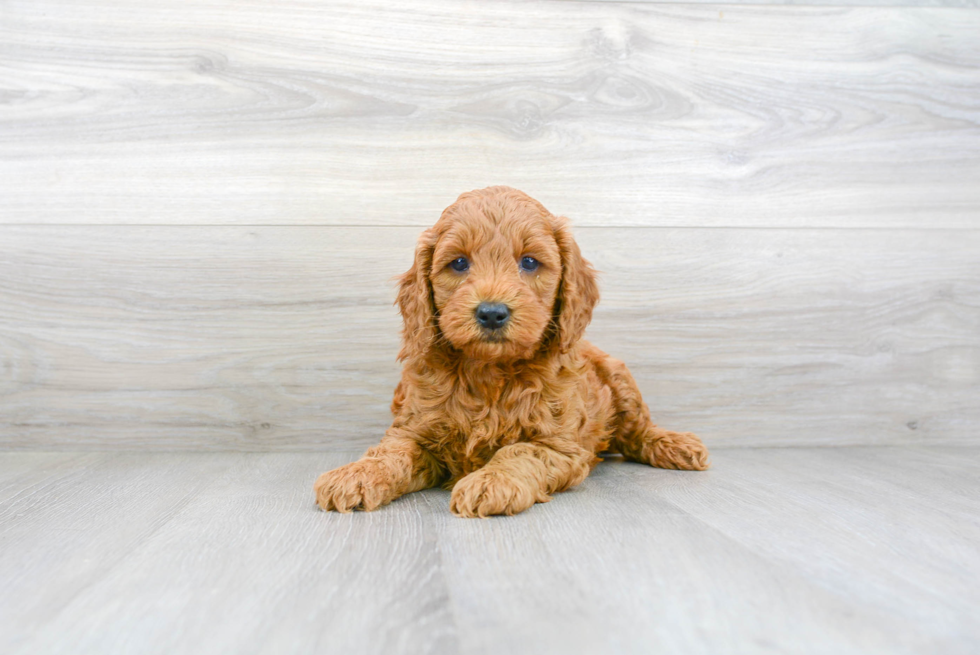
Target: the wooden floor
pixel 840 550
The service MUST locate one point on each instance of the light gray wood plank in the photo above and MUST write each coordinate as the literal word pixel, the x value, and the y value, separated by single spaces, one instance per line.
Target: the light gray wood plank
pixel 285 338
pixel 779 550
pixel 381 113
pixel 757 338
pixel 60 534
pixel 618 566
pixel 963 4
pixel 19 471
pixel 858 511
pixel 941 480
pixel 251 566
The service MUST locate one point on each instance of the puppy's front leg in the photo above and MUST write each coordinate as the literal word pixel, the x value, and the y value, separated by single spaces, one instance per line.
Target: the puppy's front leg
pixel 396 466
pixel 519 475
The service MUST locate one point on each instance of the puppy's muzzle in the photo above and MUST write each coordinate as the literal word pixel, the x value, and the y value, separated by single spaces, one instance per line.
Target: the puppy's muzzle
pixel 492 315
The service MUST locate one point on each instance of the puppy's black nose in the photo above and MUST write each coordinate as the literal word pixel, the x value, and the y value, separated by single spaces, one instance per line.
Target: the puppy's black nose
pixel 492 315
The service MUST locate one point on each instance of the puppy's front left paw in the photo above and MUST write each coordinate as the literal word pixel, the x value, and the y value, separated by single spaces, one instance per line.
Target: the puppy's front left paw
pixel 486 492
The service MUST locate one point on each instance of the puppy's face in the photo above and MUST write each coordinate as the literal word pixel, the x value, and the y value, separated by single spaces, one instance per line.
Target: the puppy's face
pixel 495 279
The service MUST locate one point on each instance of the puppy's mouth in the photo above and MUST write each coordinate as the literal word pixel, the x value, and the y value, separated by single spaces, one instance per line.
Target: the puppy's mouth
pixel 492 336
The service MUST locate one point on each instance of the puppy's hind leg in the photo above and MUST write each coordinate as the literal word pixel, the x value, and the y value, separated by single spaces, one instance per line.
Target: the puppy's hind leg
pixel 637 437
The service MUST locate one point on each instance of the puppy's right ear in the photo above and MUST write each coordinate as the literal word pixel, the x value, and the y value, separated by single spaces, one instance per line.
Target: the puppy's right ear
pixel 415 301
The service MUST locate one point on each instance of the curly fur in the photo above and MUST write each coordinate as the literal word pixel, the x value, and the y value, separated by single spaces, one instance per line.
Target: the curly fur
pixel 504 420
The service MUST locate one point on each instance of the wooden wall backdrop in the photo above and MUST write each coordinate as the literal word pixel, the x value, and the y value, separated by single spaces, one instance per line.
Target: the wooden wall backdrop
pixel 202 205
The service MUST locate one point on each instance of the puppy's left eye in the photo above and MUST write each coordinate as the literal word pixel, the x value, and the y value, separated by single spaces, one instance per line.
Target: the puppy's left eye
pixel 529 264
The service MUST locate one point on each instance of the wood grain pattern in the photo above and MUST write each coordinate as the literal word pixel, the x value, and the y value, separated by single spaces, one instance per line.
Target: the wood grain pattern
pixel 814 3
pixel 780 550
pixel 374 113
pixel 286 577
pixel 938 547
pixel 285 338
pixel 60 533
pixel 34 468
pixel 733 561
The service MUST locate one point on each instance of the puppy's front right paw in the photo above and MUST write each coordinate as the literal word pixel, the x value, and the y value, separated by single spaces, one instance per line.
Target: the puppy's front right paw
pixel 363 484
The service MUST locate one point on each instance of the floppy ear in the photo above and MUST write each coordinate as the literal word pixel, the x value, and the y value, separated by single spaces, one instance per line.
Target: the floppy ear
pixel 415 301
pixel 578 292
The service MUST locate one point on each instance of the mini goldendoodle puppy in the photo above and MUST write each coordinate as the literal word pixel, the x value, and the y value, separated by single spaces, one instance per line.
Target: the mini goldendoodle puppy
pixel 500 398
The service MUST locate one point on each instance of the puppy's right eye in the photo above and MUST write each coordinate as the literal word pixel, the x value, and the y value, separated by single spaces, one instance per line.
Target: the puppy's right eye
pixel 460 264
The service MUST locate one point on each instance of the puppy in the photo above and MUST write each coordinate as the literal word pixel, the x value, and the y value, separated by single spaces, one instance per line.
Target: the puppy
pixel 501 400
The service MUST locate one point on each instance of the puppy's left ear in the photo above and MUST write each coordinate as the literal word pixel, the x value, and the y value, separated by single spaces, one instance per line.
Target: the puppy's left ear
pixel 578 293
pixel 415 301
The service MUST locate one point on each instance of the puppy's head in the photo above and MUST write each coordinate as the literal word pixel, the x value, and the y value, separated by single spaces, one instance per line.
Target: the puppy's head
pixel 497 278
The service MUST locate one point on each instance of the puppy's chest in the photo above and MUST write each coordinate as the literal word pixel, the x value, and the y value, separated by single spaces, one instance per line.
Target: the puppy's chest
pixel 475 425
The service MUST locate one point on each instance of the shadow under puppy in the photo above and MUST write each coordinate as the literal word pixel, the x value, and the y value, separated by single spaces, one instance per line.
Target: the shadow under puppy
pixel 500 398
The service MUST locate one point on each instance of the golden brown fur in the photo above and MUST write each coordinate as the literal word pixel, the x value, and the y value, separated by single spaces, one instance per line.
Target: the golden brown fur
pixel 504 418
